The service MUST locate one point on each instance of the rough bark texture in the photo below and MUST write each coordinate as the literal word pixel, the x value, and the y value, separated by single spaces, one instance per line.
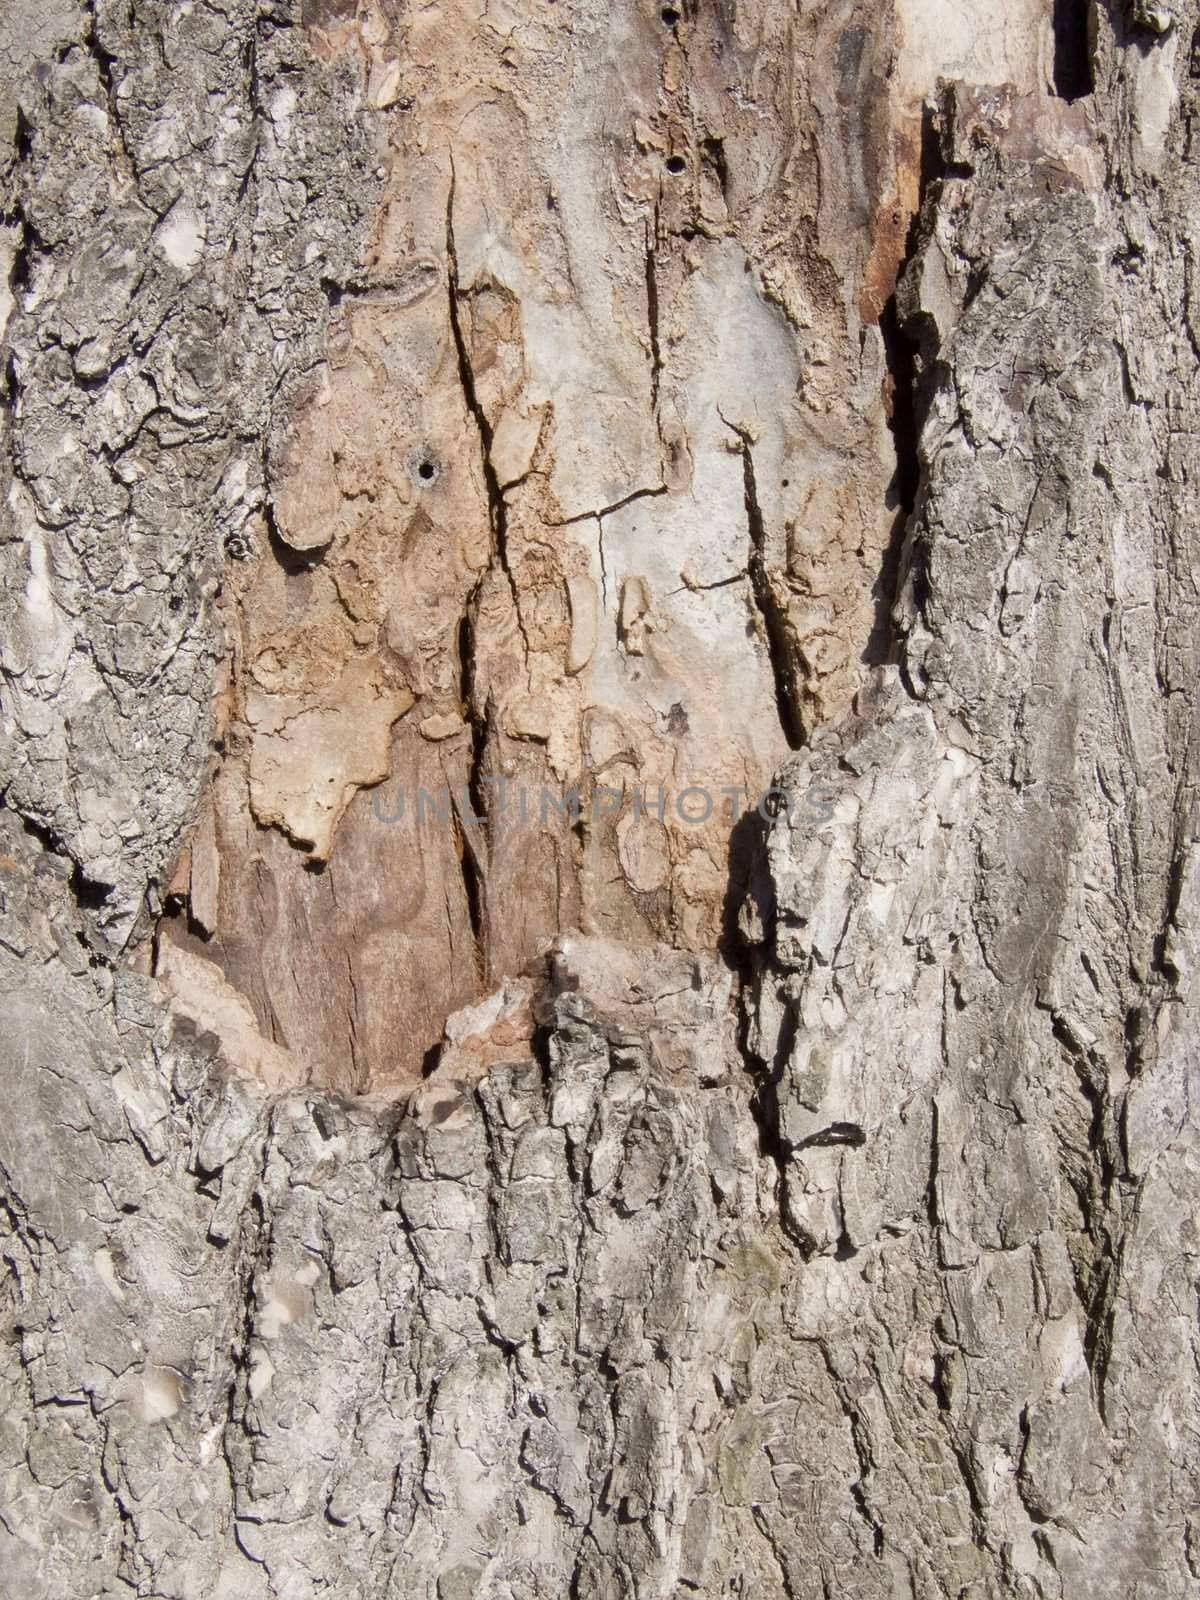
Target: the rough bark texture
pixel 476 1207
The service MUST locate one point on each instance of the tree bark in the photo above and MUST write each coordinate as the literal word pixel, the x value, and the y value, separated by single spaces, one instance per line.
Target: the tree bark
pixel 598 880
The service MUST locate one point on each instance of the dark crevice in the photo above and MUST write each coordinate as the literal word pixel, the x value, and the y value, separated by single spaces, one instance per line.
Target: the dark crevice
pixel 497 507
pixel 105 62
pixel 977 277
pixel 542 1048
pixel 1073 73
pixel 89 893
pixel 652 311
pixel 12 384
pixel 931 1183
pixel 47 837
pixel 474 890
pixel 910 353
pixel 901 356
pixel 712 153
pixel 771 610
pixel 848 1133
pixel 764 1106
pixel 1138 1036
pixel 473 814
pixel 431 1060
pixel 748 885
pixel 474 881
pixel 29 244
pixel 292 561
pixel 22 137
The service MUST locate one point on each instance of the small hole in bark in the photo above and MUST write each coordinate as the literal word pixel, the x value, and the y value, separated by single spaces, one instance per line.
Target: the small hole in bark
pixel 427 471
pixel 670 16
pixel 676 165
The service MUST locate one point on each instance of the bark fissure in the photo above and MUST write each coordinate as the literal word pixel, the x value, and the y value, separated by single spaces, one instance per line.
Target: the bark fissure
pixel 473 869
pixel 656 364
pixel 771 609
pixel 617 505
pixel 497 504
pixel 1073 73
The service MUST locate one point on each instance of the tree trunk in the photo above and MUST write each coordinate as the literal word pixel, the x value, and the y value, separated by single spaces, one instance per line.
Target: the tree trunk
pixel 598 873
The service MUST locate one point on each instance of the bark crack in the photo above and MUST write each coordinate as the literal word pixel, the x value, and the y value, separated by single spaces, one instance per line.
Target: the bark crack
pixel 471 858
pixel 652 312
pixel 497 505
pixel 105 61
pixel 1074 75
pixel 772 611
pixel 616 505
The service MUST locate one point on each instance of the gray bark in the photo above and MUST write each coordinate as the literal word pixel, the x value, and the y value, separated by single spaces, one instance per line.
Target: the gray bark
pixel 792 1206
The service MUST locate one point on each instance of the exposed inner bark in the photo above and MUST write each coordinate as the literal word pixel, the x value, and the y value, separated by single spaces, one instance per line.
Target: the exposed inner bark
pixel 602 603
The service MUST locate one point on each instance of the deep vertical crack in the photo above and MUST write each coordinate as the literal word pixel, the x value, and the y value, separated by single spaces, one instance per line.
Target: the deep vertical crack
pixel 467 816
pixel 603 565
pixel 910 351
pixel 1074 75
pixel 471 866
pixel 771 610
pixel 497 507
pixel 105 61
pixel 905 403
pixel 652 312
